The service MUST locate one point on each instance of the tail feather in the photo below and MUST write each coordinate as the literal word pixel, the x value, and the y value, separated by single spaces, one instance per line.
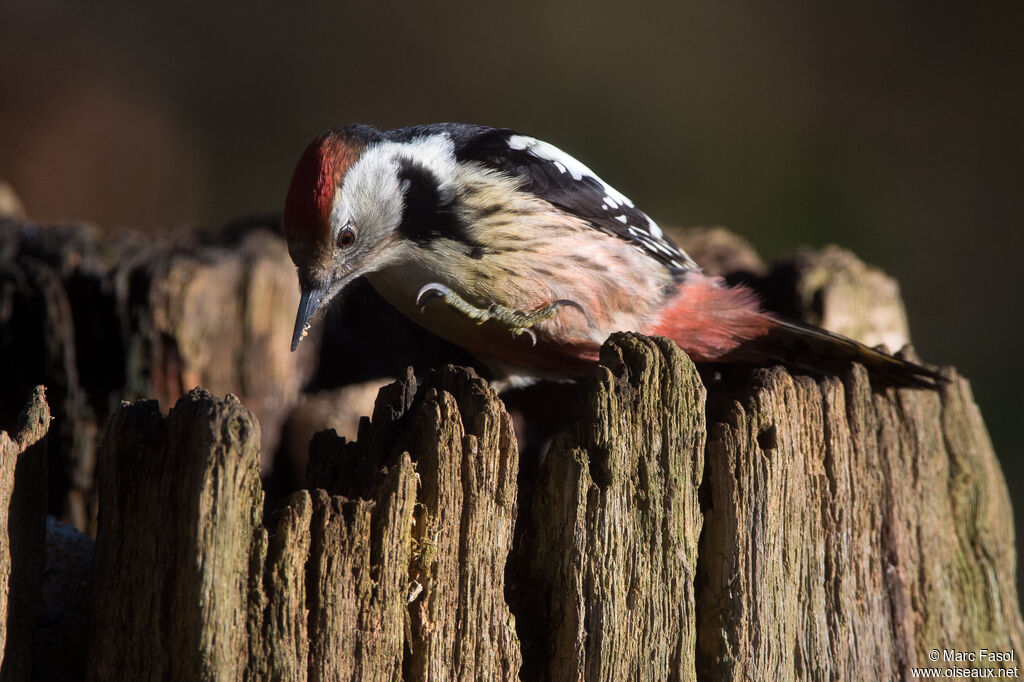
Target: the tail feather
pixel 818 351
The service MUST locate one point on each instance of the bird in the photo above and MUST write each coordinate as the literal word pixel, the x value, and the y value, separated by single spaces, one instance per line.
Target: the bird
pixel 519 253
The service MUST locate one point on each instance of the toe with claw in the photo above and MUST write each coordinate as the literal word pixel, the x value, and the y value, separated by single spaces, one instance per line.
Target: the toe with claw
pixel 516 321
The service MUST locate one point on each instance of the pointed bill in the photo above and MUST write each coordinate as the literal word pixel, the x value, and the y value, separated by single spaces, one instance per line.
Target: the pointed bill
pixel 308 304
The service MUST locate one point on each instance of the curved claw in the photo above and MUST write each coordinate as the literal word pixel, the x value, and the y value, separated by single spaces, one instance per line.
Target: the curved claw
pixel 566 303
pixel 429 292
pixel 530 333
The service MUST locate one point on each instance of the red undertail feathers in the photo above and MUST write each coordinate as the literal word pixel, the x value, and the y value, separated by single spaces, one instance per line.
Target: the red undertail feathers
pixel 716 323
pixel 710 320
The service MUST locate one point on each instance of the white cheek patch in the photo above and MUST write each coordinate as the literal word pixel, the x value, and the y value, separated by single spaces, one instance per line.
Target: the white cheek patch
pixel 372 195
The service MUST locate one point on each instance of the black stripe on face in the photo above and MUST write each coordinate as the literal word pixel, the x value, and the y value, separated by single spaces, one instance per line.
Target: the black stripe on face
pixel 427 215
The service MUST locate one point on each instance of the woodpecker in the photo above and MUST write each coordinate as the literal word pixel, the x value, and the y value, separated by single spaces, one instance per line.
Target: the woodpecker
pixel 519 253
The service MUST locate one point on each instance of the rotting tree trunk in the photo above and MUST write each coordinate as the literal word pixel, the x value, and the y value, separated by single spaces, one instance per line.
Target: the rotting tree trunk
pixel 845 533
pixel 99 320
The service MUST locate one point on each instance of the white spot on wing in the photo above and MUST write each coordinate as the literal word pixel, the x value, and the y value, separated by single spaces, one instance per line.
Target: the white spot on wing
pixel 650 239
pixel 520 141
pixel 575 168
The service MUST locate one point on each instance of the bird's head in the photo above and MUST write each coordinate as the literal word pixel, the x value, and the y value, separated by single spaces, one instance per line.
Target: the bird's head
pixel 341 215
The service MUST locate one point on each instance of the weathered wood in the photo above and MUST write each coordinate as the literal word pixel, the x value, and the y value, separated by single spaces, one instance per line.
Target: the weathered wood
pixel 461 438
pixel 220 317
pixel 851 532
pixel 834 289
pixel 181 504
pixel 99 320
pixel 329 597
pixel 616 522
pixel 467 459
pixel 22 534
pixel 772 526
pixel 352 585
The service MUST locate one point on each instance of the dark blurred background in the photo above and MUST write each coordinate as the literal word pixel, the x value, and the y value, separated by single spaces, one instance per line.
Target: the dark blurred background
pixel 895 129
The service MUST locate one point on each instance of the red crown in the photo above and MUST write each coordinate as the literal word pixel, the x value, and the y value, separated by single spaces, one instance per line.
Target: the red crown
pixel 307 208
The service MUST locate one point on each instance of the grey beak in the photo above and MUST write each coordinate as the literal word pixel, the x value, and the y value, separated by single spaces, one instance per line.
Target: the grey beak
pixel 311 299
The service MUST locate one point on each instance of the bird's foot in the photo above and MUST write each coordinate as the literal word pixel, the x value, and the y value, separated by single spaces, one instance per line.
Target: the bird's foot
pixel 517 322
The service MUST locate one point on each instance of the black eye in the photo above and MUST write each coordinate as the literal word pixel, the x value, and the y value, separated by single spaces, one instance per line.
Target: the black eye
pixel 346 237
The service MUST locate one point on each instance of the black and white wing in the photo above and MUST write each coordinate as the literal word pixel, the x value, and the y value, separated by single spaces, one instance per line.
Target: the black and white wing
pixel 561 179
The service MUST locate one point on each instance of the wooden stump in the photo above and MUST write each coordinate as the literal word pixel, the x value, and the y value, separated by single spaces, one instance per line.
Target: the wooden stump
pixel 756 525
pixel 390 561
pixel 844 533
pixel 616 521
